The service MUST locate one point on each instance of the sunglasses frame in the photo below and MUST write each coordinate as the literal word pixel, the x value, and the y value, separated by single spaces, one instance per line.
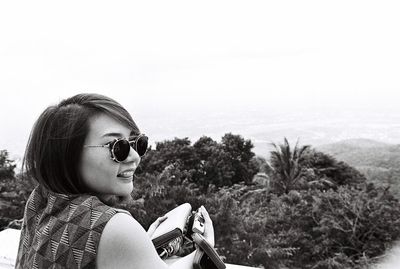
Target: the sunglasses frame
pixel 111 146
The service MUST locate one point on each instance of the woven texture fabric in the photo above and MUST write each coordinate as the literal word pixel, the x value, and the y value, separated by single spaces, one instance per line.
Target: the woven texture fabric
pixel 61 231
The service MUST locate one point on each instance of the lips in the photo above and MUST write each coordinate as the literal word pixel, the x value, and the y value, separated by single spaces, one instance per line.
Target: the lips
pixel 126 173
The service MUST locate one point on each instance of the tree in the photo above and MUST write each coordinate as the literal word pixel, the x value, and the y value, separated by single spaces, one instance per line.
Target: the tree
pixel 342 228
pixel 326 172
pixel 310 223
pixel 286 166
pixel 177 151
pixel 204 147
pixel 239 154
pixel 7 166
pixel 14 191
pixel 207 162
pixel 225 163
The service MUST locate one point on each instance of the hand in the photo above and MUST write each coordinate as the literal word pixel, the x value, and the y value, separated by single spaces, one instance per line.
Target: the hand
pixel 208 226
pixel 155 224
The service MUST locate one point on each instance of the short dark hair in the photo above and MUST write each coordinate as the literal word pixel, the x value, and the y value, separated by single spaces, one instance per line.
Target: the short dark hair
pixel 55 144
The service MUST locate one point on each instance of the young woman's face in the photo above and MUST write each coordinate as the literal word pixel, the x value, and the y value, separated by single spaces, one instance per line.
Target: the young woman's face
pixel 100 174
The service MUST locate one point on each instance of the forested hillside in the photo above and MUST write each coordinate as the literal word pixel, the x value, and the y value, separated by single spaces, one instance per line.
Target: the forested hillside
pixel 379 162
pixel 310 210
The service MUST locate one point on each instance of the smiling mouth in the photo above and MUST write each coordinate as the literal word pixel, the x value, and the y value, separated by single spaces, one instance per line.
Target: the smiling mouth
pixel 126 174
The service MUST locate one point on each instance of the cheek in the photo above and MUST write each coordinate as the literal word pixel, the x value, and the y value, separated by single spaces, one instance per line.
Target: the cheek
pixel 96 171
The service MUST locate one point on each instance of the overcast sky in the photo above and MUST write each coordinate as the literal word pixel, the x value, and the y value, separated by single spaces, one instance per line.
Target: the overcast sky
pixel 191 56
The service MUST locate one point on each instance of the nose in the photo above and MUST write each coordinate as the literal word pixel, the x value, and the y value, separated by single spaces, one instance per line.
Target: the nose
pixel 133 157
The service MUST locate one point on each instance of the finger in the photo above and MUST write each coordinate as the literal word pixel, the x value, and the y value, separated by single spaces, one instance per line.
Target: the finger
pixel 151 230
pixel 157 222
pixel 205 214
pixel 161 219
pixel 209 229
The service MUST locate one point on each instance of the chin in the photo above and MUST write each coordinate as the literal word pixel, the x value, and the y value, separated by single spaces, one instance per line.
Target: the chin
pixel 125 190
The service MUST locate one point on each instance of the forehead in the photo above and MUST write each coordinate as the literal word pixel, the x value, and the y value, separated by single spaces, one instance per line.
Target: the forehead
pixel 103 126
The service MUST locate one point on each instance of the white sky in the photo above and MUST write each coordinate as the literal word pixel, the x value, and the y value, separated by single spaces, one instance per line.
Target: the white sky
pixel 154 56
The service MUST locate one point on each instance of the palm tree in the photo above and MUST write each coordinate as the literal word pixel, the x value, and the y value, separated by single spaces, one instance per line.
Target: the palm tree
pixel 286 167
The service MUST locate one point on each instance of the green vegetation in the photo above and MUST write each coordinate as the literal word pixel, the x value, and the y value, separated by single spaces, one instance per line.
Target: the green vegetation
pixel 309 211
pixel 287 170
pixel 379 162
pixel 314 211
pixel 7 166
pixel 14 191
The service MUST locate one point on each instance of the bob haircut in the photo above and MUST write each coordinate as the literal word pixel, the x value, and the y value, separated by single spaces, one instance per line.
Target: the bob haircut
pixel 55 144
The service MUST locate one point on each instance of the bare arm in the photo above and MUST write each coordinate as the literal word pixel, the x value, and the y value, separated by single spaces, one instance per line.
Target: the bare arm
pixel 125 244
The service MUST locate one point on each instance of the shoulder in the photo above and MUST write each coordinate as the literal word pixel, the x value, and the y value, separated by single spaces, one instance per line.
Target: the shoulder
pixel 124 243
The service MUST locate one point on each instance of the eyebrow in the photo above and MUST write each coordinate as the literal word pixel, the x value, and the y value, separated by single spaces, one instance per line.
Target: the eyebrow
pixel 116 134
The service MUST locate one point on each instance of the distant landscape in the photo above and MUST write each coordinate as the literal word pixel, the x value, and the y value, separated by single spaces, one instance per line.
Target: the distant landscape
pixel 262 125
pixel 379 162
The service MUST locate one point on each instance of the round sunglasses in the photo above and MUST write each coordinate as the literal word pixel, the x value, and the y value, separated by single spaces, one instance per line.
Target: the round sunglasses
pixel 120 148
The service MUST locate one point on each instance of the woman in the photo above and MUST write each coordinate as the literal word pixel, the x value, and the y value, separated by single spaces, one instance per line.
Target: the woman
pixel 83 153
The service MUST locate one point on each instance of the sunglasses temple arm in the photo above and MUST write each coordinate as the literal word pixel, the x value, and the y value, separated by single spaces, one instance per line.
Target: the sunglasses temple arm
pixel 97 146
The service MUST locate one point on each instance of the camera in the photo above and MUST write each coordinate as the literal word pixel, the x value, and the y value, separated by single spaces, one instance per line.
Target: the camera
pixel 179 241
pixel 195 223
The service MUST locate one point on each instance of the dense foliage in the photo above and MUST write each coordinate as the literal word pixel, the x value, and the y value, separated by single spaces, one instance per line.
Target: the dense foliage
pixel 14 191
pixel 379 162
pixel 314 211
pixel 206 161
pixel 326 216
pixel 7 165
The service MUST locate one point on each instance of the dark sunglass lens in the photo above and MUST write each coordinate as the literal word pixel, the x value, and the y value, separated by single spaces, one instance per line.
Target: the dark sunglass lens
pixel 121 150
pixel 141 145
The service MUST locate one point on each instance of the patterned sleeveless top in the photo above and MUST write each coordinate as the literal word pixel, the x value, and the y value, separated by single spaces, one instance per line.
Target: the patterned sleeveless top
pixel 61 230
